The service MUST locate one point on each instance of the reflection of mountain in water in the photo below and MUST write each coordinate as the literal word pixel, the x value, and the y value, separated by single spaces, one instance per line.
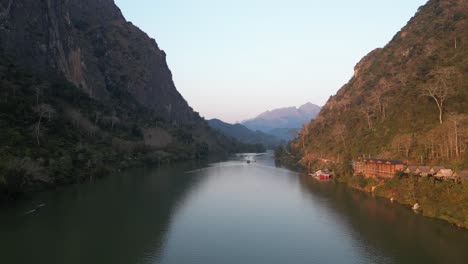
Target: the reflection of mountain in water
pixel 221 213
pixel 128 214
pixel 400 227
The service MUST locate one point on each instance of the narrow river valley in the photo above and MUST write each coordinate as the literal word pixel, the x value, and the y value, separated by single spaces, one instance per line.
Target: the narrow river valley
pixel 225 212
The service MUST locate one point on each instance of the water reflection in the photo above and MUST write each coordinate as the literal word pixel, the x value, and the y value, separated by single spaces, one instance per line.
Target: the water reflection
pixel 121 219
pixel 225 212
pixel 391 228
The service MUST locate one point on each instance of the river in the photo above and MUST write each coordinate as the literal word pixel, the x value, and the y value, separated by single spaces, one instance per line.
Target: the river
pixel 224 212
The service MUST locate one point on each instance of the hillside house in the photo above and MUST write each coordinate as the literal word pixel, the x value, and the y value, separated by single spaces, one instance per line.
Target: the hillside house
pixel 411 170
pixel 434 170
pixel 444 174
pixel 424 171
pixel 380 168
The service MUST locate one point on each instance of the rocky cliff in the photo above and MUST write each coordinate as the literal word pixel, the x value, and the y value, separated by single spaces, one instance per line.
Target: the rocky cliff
pixel 94 47
pixel 84 92
pixel 390 107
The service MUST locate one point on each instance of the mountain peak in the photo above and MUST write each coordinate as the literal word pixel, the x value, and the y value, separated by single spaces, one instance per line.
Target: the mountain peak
pixel 285 118
pixel 310 107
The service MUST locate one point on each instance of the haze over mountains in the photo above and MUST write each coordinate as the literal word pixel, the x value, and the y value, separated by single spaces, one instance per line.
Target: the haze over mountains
pixel 245 135
pixel 271 128
pixel 283 122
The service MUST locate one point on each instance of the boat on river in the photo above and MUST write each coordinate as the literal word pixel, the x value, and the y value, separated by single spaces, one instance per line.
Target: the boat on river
pixel 321 175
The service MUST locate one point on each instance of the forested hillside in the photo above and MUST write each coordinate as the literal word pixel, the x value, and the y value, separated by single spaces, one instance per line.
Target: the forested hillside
pixel 245 135
pixel 408 100
pixel 84 92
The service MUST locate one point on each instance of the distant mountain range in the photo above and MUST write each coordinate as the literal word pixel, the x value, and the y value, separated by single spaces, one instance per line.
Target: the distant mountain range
pixel 283 122
pixel 245 135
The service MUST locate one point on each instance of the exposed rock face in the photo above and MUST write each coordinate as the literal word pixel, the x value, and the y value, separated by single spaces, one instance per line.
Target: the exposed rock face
pixel 385 111
pixel 91 44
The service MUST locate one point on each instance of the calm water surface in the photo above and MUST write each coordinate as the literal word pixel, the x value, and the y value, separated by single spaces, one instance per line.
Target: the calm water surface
pixel 227 212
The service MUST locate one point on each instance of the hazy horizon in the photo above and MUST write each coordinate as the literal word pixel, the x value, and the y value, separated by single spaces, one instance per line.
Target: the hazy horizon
pixel 235 60
pixel 259 114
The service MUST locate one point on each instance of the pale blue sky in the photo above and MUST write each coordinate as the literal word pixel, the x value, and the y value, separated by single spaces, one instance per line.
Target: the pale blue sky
pixel 235 59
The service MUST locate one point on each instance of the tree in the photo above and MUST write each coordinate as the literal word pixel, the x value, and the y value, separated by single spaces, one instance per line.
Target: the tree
pixel 457 130
pixel 42 110
pixel 441 87
pixel 38 89
pixel 339 131
pixel 303 134
pixel 403 143
pixel 368 113
pixel 382 101
pixel 4 14
pixel 98 115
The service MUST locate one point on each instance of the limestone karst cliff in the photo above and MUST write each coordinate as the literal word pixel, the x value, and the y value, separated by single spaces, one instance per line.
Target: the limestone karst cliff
pixel 386 109
pixel 95 48
pixel 84 92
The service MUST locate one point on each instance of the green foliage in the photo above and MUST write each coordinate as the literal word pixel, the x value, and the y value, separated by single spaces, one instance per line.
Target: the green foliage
pixel 344 168
pixel 201 150
pixel 62 169
pixel 446 199
pixel 362 182
pixel 384 108
pixel 80 138
pixel 184 136
pixel 288 158
pixel 279 152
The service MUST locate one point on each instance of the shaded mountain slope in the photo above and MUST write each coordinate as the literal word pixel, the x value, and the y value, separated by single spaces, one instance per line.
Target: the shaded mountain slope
pixel 245 135
pixel 84 92
pixel 94 47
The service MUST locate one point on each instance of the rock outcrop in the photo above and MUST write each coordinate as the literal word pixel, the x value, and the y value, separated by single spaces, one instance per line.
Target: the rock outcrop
pixel 386 110
pixel 90 43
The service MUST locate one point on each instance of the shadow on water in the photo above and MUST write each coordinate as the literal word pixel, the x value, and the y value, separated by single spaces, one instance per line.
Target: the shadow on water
pixel 227 212
pixel 391 228
pixel 115 220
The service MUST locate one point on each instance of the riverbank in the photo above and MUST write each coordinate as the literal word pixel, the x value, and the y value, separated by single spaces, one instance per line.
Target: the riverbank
pixel 29 184
pixel 446 200
pixel 442 199
pixel 222 212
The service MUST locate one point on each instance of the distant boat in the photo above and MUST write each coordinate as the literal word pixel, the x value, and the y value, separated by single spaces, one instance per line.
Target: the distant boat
pixel 320 175
pixel 248 161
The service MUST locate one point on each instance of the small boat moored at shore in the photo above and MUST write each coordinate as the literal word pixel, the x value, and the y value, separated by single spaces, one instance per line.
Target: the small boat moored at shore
pixel 321 175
